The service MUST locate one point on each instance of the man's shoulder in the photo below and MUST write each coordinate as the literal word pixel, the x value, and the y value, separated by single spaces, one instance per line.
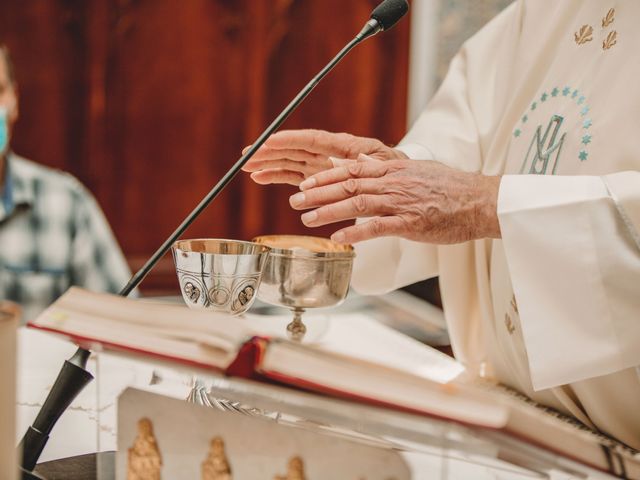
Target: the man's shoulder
pixel 50 178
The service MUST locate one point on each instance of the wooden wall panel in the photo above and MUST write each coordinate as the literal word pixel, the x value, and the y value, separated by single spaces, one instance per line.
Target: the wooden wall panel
pixel 364 95
pixel 46 39
pixel 149 102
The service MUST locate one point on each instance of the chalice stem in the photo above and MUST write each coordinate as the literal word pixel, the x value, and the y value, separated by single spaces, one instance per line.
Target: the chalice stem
pixel 296 329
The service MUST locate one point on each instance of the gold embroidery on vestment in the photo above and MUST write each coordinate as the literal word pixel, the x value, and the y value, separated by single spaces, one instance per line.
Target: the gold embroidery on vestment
pixel 509 324
pixel 514 304
pixel 610 41
pixel 608 18
pixel 584 35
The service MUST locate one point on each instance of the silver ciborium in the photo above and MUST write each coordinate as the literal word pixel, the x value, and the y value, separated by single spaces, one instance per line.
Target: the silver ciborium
pixel 304 272
pixel 220 275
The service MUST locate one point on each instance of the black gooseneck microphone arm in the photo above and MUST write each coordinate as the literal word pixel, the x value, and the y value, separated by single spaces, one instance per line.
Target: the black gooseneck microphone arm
pixel 74 377
pixel 233 171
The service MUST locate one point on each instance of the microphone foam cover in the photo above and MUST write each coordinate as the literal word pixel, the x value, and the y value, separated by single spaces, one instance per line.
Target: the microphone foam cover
pixel 389 12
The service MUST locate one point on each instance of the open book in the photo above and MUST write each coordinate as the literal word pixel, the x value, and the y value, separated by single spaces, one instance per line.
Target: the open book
pixel 355 358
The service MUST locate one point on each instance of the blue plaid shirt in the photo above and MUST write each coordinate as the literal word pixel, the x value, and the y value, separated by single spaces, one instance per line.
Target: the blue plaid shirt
pixel 52 235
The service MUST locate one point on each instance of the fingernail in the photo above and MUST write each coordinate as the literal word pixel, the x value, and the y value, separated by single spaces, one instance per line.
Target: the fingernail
pixel 246 149
pixel 256 178
pixel 297 199
pixel 363 157
pixel 309 217
pixel 308 183
pixel 338 237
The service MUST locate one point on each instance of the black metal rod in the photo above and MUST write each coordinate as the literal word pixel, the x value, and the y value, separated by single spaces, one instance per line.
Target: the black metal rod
pixel 71 380
pixel 233 171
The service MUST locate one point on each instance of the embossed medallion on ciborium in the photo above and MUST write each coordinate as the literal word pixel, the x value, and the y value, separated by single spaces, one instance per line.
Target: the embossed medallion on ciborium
pixel 221 275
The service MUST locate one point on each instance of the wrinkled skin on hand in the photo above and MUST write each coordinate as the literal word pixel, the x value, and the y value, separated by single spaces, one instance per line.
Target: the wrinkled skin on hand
pixel 344 177
pixel 290 156
pixel 419 200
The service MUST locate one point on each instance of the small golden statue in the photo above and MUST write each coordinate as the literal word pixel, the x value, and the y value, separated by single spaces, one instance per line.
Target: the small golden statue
pixel 295 470
pixel 145 460
pixel 216 466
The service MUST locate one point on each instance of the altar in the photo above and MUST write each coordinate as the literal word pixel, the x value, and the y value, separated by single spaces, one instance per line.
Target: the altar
pixel 422 447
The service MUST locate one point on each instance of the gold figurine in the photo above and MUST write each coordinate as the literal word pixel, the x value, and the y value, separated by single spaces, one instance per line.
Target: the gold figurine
pixel 295 470
pixel 145 460
pixel 216 466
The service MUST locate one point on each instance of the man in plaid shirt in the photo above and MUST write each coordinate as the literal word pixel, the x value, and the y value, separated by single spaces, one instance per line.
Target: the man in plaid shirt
pixel 52 232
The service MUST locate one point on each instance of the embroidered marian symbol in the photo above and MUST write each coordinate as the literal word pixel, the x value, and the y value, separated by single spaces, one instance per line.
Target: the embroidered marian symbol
pixel 547 147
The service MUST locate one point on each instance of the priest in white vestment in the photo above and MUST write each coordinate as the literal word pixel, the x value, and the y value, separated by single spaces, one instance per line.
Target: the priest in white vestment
pixel 533 220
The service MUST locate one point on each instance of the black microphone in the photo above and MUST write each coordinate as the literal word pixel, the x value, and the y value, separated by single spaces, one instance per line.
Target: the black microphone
pixel 384 16
pixel 74 376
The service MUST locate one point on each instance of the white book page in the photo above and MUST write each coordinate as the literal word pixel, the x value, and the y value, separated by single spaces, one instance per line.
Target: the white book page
pixel 86 311
pixel 359 335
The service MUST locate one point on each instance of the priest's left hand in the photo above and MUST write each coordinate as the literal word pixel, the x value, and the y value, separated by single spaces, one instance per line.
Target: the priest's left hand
pixel 419 200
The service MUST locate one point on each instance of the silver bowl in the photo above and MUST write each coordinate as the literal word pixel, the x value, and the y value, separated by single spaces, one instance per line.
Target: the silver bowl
pixel 304 272
pixel 220 275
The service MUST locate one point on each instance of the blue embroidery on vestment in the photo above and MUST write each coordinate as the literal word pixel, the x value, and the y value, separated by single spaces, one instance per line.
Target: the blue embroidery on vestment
pixel 547 148
pixel 547 141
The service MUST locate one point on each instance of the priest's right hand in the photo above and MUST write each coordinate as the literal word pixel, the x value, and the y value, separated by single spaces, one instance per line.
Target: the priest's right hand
pixel 290 156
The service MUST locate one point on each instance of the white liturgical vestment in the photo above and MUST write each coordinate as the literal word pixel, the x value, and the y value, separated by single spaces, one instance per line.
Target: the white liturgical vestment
pixel 547 95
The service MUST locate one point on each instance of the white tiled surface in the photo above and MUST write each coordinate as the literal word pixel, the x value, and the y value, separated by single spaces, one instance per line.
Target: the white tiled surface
pixel 40 357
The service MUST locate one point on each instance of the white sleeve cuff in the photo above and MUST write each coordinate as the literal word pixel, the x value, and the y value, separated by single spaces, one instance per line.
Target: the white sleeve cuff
pixel 572 264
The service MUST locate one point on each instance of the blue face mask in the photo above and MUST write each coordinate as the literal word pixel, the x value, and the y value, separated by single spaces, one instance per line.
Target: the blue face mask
pixel 4 130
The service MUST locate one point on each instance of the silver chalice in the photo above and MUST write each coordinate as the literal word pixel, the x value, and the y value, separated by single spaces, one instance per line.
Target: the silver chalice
pixel 220 275
pixel 304 272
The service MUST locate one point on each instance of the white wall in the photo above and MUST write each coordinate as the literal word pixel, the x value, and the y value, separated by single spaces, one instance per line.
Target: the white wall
pixel 423 55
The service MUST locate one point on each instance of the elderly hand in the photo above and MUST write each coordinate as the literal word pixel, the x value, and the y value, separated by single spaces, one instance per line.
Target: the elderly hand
pixel 291 156
pixel 416 199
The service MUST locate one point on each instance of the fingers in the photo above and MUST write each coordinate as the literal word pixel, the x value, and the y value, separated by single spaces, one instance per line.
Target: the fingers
pixel 281 164
pixel 374 228
pixel 277 175
pixel 345 162
pixel 364 205
pixel 341 145
pixel 264 156
pixel 372 169
pixel 341 162
pixel 336 192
